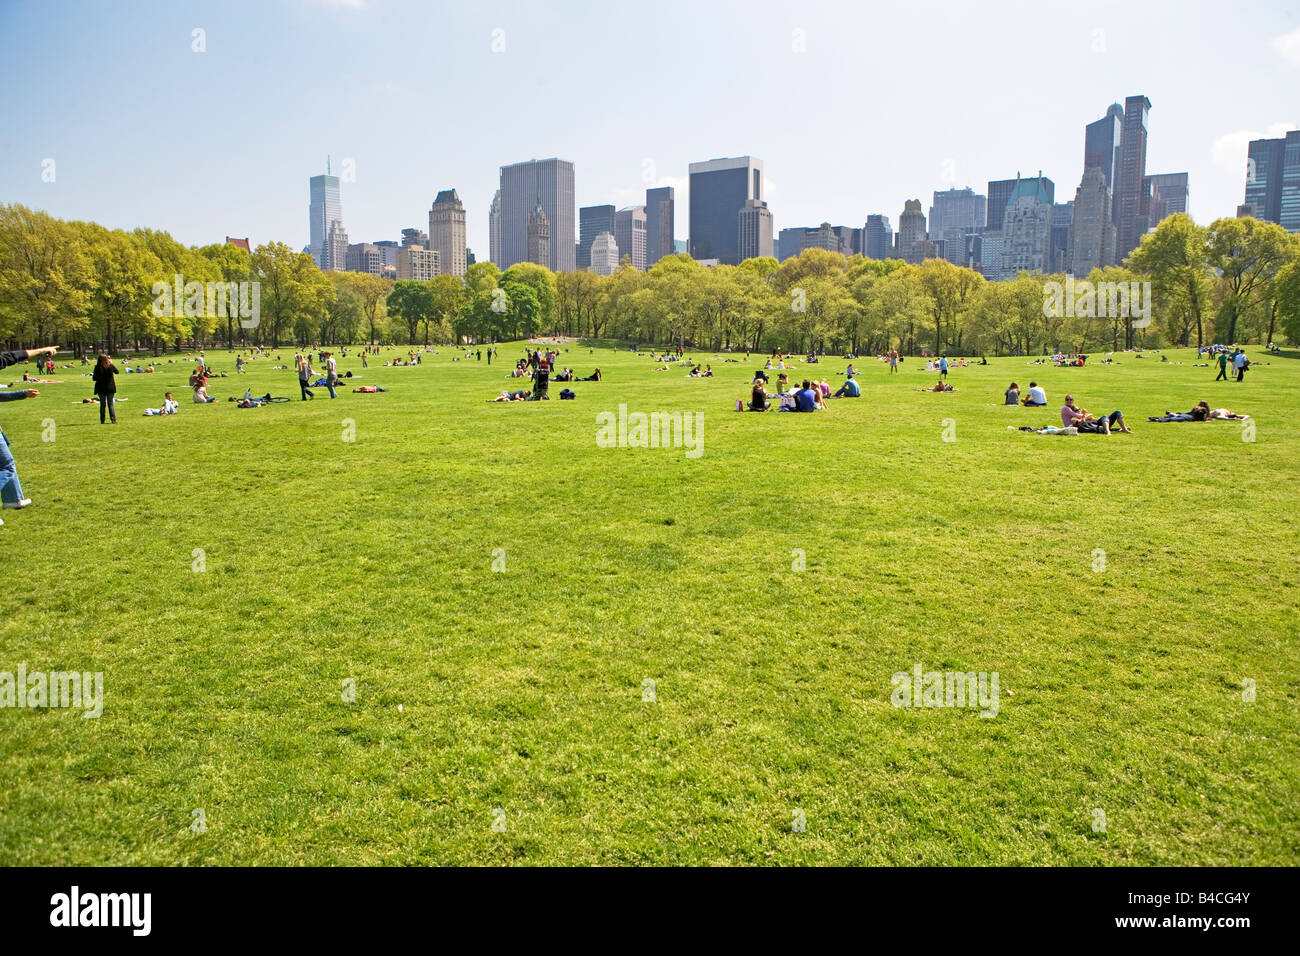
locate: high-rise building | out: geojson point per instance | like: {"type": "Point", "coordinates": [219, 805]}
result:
{"type": "Point", "coordinates": [524, 186]}
{"type": "Point", "coordinates": [999, 192]}
{"type": "Point", "coordinates": [878, 237]}
{"type": "Point", "coordinates": [962, 209]}
{"type": "Point", "coordinates": [388, 249]}
{"type": "Point", "coordinates": [842, 239]}
{"type": "Point", "coordinates": [496, 240]}
{"type": "Point", "coordinates": [592, 221]}
{"type": "Point", "coordinates": [1062, 217]}
{"type": "Point", "coordinates": [417, 262]}
{"type": "Point", "coordinates": [754, 225]}
{"type": "Point", "coordinates": [538, 235]}
{"type": "Point", "coordinates": [1163, 195]}
{"type": "Point", "coordinates": [911, 232]}
{"type": "Point", "coordinates": [1092, 233]}
{"type": "Point", "coordinates": [1102, 143]}
{"type": "Point", "coordinates": [326, 207]}
{"type": "Point", "coordinates": [414, 238]}
{"type": "Point", "coordinates": [1131, 224]}
{"type": "Point", "coordinates": [660, 204]}
{"type": "Point", "coordinates": [447, 231]}
{"type": "Point", "coordinates": [1027, 228]}
{"type": "Point", "coordinates": [365, 257]}
{"type": "Point", "coordinates": [629, 233]}
{"type": "Point", "coordinates": [990, 259]}
{"type": "Point", "coordinates": [336, 248]}
{"type": "Point", "coordinates": [603, 254]}
{"type": "Point", "coordinates": [720, 188]}
{"type": "Point", "coordinates": [1265, 167]}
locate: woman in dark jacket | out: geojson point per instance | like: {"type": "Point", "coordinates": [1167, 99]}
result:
{"type": "Point", "coordinates": [106, 387]}
{"type": "Point", "coordinates": [11, 492]}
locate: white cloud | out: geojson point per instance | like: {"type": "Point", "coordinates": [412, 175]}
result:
{"type": "Point", "coordinates": [1289, 46]}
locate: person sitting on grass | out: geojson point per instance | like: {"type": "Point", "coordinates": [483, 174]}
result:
{"type": "Point", "coordinates": [849, 389]}
{"type": "Point", "coordinates": [169, 407]}
{"type": "Point", "coordinates": [808, 398]}
{"type": "Point", "coordinates": [593, 377]}
{"type": "Point", "coordinates": [939, 386]}
{"type": "Point", "coordinates": [1012, 395]}
{"type": "Point", "coordinates": [758, 398]}
{"type": "Point", "coordinates": [1036, 398]}
{"type": "Point", "coordinates": [201, 396]}
{"type": "Point", "coordinates": [1074, 417]}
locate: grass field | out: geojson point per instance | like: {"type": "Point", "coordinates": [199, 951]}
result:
{"type": "Point", "coordinates": [325, 560]}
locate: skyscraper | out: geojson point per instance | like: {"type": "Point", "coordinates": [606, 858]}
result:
{"type": "Point", "coordinates": [1062, 217]}
{"type": "Point", "coordinates": [754, 228]}
{"type": "Point", "coordinates": [1131, 224]}
{"type": "Point", "coordinates": [719, 190]}
{"type": "Point", "coordinates": [1102, 144]}
{"type": "Point", "coordinates": [1027, 228]}
{"type": "Point", "coordinates": [1164, 194]}
{"type": "Point", "coordinates": [336, 248]}
{"type": "Point", "coordinates": [326, 208]}
{"type": "Point", "coordinates": [592, 221]}
{"type": "Point", "coordinates": [911, 232]}
{"type": "Point", "coordinates": [603, 254]}
{"type": "Point", "coordinates": [878, 237]}
{"type": "Point", "coordinates": [962, 209]}
{"type": "Point", "coordinates": [999, 192]}
{"type": "Point", "coordinates": [496, 241]}
{"type": "Point", "coordinates": [629, 233]}
{"type": "Point", "coordinates": [447, 231]}
{"type": "Point", "coordinates": [1273, 180]}
{"type": "Point", "coordinates": [525, 185]}
{"type": "Point", "coordinates": [660, 206]}
{"type": "Point", "coordinates": [1092, 233]}
{"type": "Point", "coordinates": [538, 235]}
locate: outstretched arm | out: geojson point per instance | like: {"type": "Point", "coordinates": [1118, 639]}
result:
{"type": "Point", "coordinates": [22, 355]}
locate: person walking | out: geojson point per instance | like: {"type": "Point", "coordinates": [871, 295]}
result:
{"type": "Point", "coordinates": [106, 387]}
{"type": "Point", "coordinates": [1223, 368]}
{"type": "Point", "coordinates": [1240, 363]}
{"type": "Point", "coordinates": [304, 376]}
{"type": "Point", "coordinates": [11, 492]}
{"type": "Point", "coordinates": [331, 373]}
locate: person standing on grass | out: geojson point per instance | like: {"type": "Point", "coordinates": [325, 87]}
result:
{"type": "Point", "coordinates": [893, 360]}
{"type": "Point", "coordinates": [304, 376]}
{"type": "Point", "coordinates": [11, 492]}
{"type": "Point", "coordinates": [943, 366]}
{"type": "Point", "coordinates": [1240, 363]}
{"type": "Point", "coordinates": [1223, 367]}
{"type": "Point", "coordinates": [106, 387]}
{"type": "Point", "coordinates": [331, 373]}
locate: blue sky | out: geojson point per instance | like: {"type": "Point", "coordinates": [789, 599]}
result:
{"type": "Point", "coordinates": [853, 107]}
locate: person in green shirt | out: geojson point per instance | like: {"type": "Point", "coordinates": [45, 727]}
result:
{"type": "Point", "coordinates": [1223, 367]}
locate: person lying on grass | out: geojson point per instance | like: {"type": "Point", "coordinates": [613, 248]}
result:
{"type": "Point", "coordinates": [169, 406]}
{"type": "Point", "coordinates": [519, 396]}
{"type": "Point", "coordinates": [1201, 413]}
{"type": "Point", "coordinates": [938, 387]}
{"type": "Point", "coordinates": [593, 377]}
{"type": "Point", "coordinates": [369, 389]}
{"type": "Point", "coordinates": [1074, 417]}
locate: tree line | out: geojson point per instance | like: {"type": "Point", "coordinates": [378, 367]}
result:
{"type": "Point", "coordinates": [87, 286]}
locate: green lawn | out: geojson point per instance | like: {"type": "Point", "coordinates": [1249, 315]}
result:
{"type": "Point", "coordinates": [372, 560]}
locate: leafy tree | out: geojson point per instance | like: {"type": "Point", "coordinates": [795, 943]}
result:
{"type": "Point", "coordinates": [410, 302]}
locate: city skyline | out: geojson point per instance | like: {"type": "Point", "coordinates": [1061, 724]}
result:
{"type": "Point", "coordinates": [239, 172]}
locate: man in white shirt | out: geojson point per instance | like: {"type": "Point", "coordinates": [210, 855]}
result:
{"type": "Point", "coordinates": [1037, 396]}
